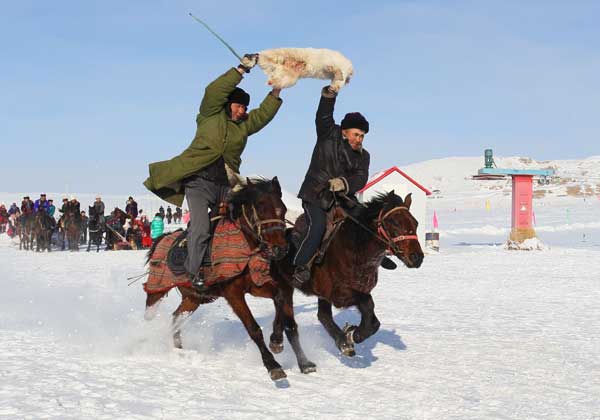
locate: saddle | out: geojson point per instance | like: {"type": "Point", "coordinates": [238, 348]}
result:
{"type": "Point", "coordinates": [178, 252]}
{"type": "Point", "coordinates": [335, 219]}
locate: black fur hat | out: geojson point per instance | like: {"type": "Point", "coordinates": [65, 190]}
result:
{"type": "Point", "coordinates": [239, 96]}
{"type": "Point", "coordinates": [355, 120]}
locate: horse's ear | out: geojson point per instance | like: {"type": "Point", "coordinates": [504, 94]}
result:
{"type": "Point", "coordinates": [276, 185]}
{"type": "Point", "coordinates": [248, 181]}
{"type": "Point", "coordinates": [408, 200]}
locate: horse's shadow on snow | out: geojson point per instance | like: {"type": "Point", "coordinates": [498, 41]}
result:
{"type": "Point", "coordinates": [364, 351]}
{"type": "Point", "coordinates": [232, 335]}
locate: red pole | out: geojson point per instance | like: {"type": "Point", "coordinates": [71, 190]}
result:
{"type": "Point", "coordinates": [522, 208]}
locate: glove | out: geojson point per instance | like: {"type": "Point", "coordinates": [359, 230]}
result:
{"type": "Point", "coordinates": [249, 61]}
{"type": "Point", "coordinates": [337, 185]}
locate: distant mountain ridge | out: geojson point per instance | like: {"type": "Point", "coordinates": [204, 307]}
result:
{"type": "Point", "coordinates": [574, 177]}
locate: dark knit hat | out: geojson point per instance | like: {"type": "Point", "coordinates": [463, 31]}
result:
{"type": "Point", "coordinates": [239, 96]}
{"type": "Point", "coordinates": [355, 120]}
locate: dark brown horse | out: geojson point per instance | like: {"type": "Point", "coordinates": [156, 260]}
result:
{"type": "Point", "coordinates": [42, 230]}
{"type": "Point", "coordinates": [348, 271]}
{"type": "Point", "coordinates": [261, 214]}
{"type": "Point", "coordinates": [25, 223]}
{"type": "Point", "coordinates": [95, 228]}
{"type": "Point", "coordinates": [71, 225]}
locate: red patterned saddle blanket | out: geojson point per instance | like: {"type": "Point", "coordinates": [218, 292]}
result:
{"type": "Point", "coordinates": [230, 256]}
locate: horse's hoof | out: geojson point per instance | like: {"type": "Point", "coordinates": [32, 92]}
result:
{"type": "Point", "coordinates": [308, 367]}
{"type": "Point", "coordinates": [347, 350]}
{"type": "Point", "coordinates": [276, 347]}
{"type": "Point", "coordinates": [277, 374]}
{"type": "Point", "coordinates": [177, 343]}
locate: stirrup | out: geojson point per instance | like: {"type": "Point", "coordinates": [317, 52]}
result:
{"type": "Point", "coordinates": [301, 275]}
{"type": "Point", "coordinates": [197, 281]}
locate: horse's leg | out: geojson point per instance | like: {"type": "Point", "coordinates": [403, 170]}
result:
{"type": "Point", "coordinates": [369, 324]}
{"type": "Point", "coordinates": [189, 303]}
{"type": "Point", "coordinates": [291, 331]}
{"type": "Point", "coordinates": [326, 318]}
{"type": "Point", "coordinates": [235, 298]}
{"type": "Point", "coordinates": [276, 339]}
{"type": "Point", "coordinates": [152, 301]}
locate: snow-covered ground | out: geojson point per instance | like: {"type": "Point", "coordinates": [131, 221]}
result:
{"type": "Point", "coordinates": [478, 332]}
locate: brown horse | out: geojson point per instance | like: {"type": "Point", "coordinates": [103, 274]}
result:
{"type": "Point", "coordinates": [348, 271]}
{"type": "Point", "coordinates": [261, 214]}
{"type": "Point", "coordinates": [71, 225]}
{"type": "Point", "coordinates": [42, 230]}
{"type": "Point", "coordinates": [25, 222]}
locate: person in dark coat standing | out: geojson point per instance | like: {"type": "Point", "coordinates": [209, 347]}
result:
{"type": "Point", "coordinates": [169, 215]}
{"type": "Point", "coordinates": [99, 209]}
{"type": "Point", "coordinates": [339, 165]}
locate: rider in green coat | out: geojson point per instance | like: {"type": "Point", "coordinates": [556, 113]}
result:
{"type": "Point", "coordinates": [218, 135]}
{"type": "Point", "coordinates": [201, 172]}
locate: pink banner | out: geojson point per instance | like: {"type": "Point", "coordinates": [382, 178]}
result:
{"type": "Point", "coordinates": [435, 220]}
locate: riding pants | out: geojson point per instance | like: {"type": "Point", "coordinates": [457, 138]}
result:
{"type": "Point", "coordinates": [202, 195]}
{"type": "Point", "coordinates": [316, 219]}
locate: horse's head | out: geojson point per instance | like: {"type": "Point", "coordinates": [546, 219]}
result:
{"type": "Point", "coordinates": [397, 226]}
{"type": "Point", "coordinates": [261, 212]}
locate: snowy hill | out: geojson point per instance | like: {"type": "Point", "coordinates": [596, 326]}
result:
{"type": "Point", "coordinates": [453, 175]}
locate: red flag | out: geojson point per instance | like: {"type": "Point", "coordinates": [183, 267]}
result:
{"type": "Point", "coordinates": [435, 220]}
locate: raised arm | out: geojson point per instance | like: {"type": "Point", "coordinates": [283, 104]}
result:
{"type": "Point", "coordinates": [324, 119]}
{"type": "Point", "coordinates": [261, 116]}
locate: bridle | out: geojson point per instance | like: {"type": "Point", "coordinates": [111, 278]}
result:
{"type": "Point", "coordinates": [257, 230]}
{"type": "Point", "coordinates": [383, 232]}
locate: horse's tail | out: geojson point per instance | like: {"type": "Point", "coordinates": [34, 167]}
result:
{"type": "Point", "coordinates": [153, 247]}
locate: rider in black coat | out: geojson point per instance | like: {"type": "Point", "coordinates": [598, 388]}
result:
{"type": "Point", "coordinates": [339, 164]}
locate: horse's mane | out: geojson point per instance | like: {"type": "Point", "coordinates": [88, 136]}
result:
{"type": "Point", "coordinates": [249, 193]}
{"type": "Point", "coordinates": [371, 211]}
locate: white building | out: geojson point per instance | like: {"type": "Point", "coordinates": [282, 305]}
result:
{"type": "Point", "coordinates": [402, 184]}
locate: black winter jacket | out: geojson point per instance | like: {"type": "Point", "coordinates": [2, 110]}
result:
{"type": "Point", "coordinates": [332, 157]}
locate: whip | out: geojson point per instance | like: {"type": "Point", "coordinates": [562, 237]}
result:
{"type": "Point", "coordinates": [218, 37]}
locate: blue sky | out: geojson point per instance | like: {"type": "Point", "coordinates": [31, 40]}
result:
{"type": "Point", "coordinates": [91, 92]}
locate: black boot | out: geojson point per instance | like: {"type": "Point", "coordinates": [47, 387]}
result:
{"type": "Point", "coordinates": [388, 264]}
{"type": "Point", "coordinates": [301, 275]}
{"type": "Point", "coordinates": [197, 281]}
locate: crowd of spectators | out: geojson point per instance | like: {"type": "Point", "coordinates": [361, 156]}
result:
{"type": "Point", "coordinates": [137, 230]}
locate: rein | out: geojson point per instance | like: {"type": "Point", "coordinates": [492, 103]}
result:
{"type": "Point", "coordinates": [381, 234]}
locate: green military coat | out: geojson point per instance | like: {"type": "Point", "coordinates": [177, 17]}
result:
{"type": "Point", "coordinates": [217, 135]}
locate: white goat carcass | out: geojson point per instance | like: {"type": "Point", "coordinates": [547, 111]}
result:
{"type": "Point", "coordinates": [284, 66]}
